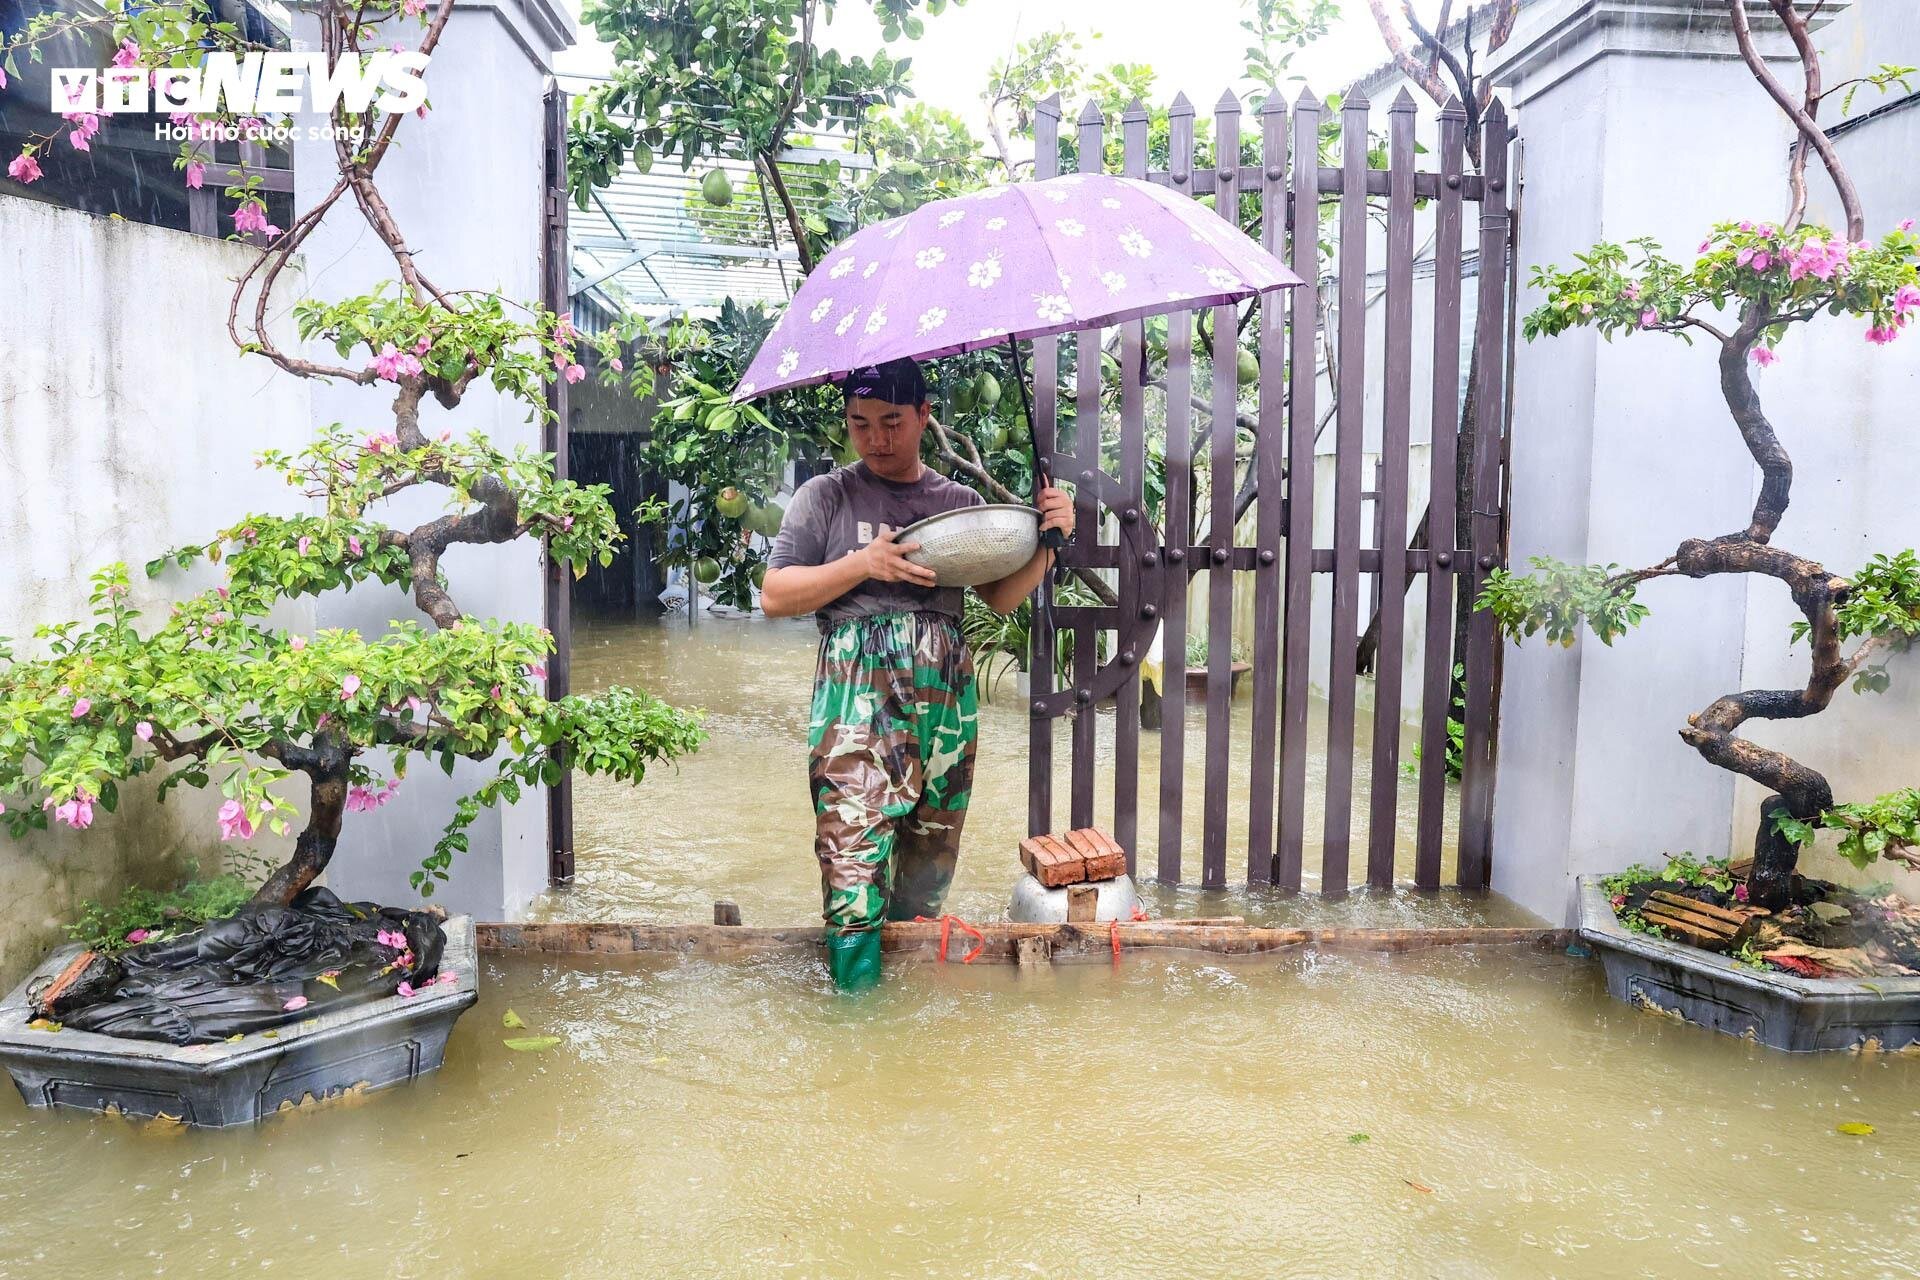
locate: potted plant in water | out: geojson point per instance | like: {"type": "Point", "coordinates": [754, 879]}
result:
{"type": "Point", "coordinates": [218, 693]}
{"type": "Point", "coordinates": [1751, 284]}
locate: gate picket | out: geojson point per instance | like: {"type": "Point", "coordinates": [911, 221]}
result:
{"type": "Point", "coordinates": [1133, 470]}
{"type": "Point", "coordinates": [1443, 434]}
{"type": "Point", "coordinates": [1350, 442]}
{"type": "Point", "coordinates": [1222, 434]}
{"type": "Point", "coordinates": [1046, 411]}
{"type": "Point", "coordinates": [1269, 440]}
{"type": "Point", "coordinates": [1302, 371]}
{"type": "Point", "coordinates": [1390, 501]}
{"type": "Point", "coordinates": [1489, 340]}
{"type": "Point", "coordinates": [1177, 533]}
{"type": "Point", "coordinates": [1086, 508]}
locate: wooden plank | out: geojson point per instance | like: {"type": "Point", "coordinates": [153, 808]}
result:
{"type": "Point", "coordinates": [1046, 412]}
{"type": "Point", "coordinates": [1133, 470]}
{"type": "Point", "coordinates": [1383, 821]}
{"type": "Point", "coordinates": [1350, 441]}
{"type": "Point", "coordinates": [1222, 485]}
{"type": "Point", "coordinates": [1000, 940]}
{"type": "Point", "coordinates": [1437, 677]}
{"type": "Point", "coordinates": [1178, 535]}
{"type": "Point", "coordinates": [1269, 454]}
{"type": "Point", "coordinates": [1476, 786]}
{"type": "Point", "coordinates": [1304, 305]}
{"type": "Point", "coordinates": [1086, 507]}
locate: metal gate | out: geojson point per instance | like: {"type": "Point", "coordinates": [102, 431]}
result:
{"type": "Point", "coordinates": [1150, 569]}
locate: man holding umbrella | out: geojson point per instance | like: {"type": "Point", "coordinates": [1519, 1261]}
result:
{"type": "Point", "coordinates": [894, 708]}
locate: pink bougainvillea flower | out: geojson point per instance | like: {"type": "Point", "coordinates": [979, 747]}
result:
{"type": "Point", "coordinates": [3, 806]}
{"type": "Point", "coordinates": [381, 441]}
{"type": "Point", "coordinates": [575, 372]}
{"type": "Point", "coordinates": [1706, 246]}
{"type": "Point", "coordinates": [1906, 300]}
{"type": "Point", "coordinates": [3, 77]}
{"type": "Point", "coordinates": [297, 643]}
{"type": "Point", "coordinates": [1905, 224]}
{"type": "Point", "coordinates": [77, 812]}
{"type": "Point", "coordinates": [496, 693]}
{"type": "Point", "coordinates": [348, 687]}
{"type": "Point", "coordinates": [85, 125]}
{"type": "Point", "coordinates": [1762, 260]}
{"type": "Point", "coordinates": [143, 731]}
{"type": "Point", "coordinates": [566, 523]}
{"type": "Point", "coordinates": [353, 545]}
{"type": "Point", "coordinates": [127, 55]}
{"type": "Point", "coordinates": [414, 704]}
{"type": "Point", "coordinates": [391, 938]}
{"type": "Point", "coordinates": [234, 823]}
{"type": "Point", "coordinates": [295, 1005]}
{"type": "Point", "coordinates": [404, 991]}
{"type": "Point", "coordinates": [447, 978]}
{"type": "Point", "coordinates": [304, 544]}
{"type": "Point", "coordinates": [137, 936]}
{"type": "Point", "coordinates": [1649, 318]}
{"type": "Point", "coordinates": [1880, 336]}
{"type": "Point", "coordinates": [1631, 293]}
{"type": "Point", "coordinates": [250, 216]}
{"type": "Point", "coordinates": [1740, 892]}
{"type": "Point", "coordinates": [196, 174]}
{"type": "Point", "coordinates": [394, 364]}
{"type": "Point", "coordinates": [538, 671]}
{"type": "Point", "coordinates": [1762, 356]}
{"type": "Point", "coordinates": [81, 706]}
{"type": "Point", "coordinates": [24, 168]}
{"type": "Point", "coordinates": [561, 360]}
{"type": "Point", "coordinates": [423, 346]}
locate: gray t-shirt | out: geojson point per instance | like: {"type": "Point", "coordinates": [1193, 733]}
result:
{"type": "Point", "coordinates": [841, 512]}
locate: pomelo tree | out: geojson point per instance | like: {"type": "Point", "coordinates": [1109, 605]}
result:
{"type": "Point", "coordinates": [219, 693]}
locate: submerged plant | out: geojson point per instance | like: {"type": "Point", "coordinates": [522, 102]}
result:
{"type": "Point", "coordinates": [220, 691]}
{"type": "Point", "coordinates": [1750, 284]}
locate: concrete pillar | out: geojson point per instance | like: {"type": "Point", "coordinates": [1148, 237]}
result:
{"type": "Point", "coordinates": [466, 186]}
{"type": "Point", "coordinates": [1638, 119]}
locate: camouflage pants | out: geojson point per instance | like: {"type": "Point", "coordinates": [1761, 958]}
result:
{"type": "Point", "coordinates": [890, 765]}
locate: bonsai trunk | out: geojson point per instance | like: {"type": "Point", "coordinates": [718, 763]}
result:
{"type": "Point", "coordinates": [327, 766]}
{"type": "Point", "coordinates": [1770, 883]}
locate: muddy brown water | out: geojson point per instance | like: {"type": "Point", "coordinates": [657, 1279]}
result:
{"type": "Point", "coordinates": [1169, 1118]}
{"type": "Point", "coordinates": [735, 821]}
{"type": "Point", "coordinates": [1460, 1112]}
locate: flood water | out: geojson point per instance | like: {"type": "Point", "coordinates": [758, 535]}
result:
{"type": "Point", "coordinates": [1168, 1118]}
{"type": "Point", "coordinates": [735, 821]}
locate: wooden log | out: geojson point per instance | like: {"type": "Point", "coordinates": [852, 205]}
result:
{"type": "Point", "coordinates": [1083, 901]}
{"type": "Point", "coordinates": [726, 913]}
{"type": "Point", "coordinates": [717, 942]}
{"type": "Point", "coordinates": [1033, 952]}
{"type": "Point", "coordinates": [1688, 927]}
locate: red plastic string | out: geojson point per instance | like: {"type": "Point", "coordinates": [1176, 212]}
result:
{"type": "Point", "coordinates": [946, 931]}
{"type": "Point", "coordinates": [1113, 935]}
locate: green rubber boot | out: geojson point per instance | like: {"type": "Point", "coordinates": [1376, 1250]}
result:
{"type": "Point", "coordinates": [854, 959]}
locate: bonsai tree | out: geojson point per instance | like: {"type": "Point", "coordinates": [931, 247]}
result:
{"type": "Point", "coordinates": [219, 693]}
{"type": "Point", "coordinates": [1750, 285]}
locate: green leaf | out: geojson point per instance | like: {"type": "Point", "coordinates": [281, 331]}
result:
{"type": "Point", "coordinates": [531, 1044]}
{"type": "Point", "coordinates": [511, 1020]}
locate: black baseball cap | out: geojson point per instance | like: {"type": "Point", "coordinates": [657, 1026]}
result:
{"type": "Point", "coordinates": [897, 382]}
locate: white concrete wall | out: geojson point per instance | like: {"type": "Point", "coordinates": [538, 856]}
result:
{"type": "Point", "coordinates": [465, 185]}
{"type": "Point", "coordinates": [1637, 120]}
{"type": "Point", "coordinates": [128, 422]}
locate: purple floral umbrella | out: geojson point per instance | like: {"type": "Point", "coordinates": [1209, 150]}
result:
{"type": "Point", "coordinates": [1023, 261]}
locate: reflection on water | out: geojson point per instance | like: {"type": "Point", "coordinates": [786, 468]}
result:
{"type": "Point", "coordinates": [1166, 1119]}
{"type": "Point", "coordinates": [734, 821]}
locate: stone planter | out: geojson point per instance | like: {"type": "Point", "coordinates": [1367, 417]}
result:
{"type": "Point", "coordinates": [369, 1046]}
{"type": "Point", "coordinates": [1778, 1010]}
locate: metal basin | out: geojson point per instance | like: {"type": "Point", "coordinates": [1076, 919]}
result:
{"type": "Point", "coordinates": [1034, 903]}
{"type": "Point", "coordinates": [975, 545]}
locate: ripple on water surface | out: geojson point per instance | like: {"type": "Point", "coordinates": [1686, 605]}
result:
{"type": "Point", "coordinates": [1168, 1118]}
